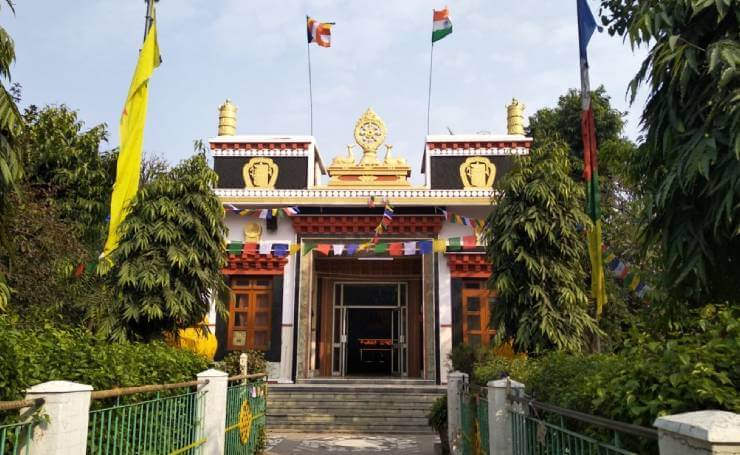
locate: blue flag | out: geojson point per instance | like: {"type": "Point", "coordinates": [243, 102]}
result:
{"type": "Point", "coordinates": [586, 27]}
{"type": "Point", "coordinates": [425, 247]}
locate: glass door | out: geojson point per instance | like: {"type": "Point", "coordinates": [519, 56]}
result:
{"type": "Point", "coordinates": [400, 345]}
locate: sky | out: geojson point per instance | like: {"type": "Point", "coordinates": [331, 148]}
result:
{"type": "Point", "coordinates": [83, 53]}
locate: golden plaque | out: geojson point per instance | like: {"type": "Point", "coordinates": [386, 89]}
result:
{"type": "Point", "coordinates": [252, 232]}
{"type": "Point", "coordinates": [477, 172]}
{"type": "Point", "coordinates": [260, 173]}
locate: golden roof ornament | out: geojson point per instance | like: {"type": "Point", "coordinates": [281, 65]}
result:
{"type": "Point", "coordinates": [227, 119]}
{"type": "Point", "coordinates": [369, 134]}
{"type": "Point", "coordinates": [370, 172]}
{"type": "Point", "coordinates": [515, 118]}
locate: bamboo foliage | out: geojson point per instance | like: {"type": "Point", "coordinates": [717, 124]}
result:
{"type": "Point", "coordinates": [11, 125]}
{"type": "Point", "coordinates": [169, 260]}
{"type": "Point", "coordinates": [538, 256]}
{"type": "Point", "coordinates": [690, 168]}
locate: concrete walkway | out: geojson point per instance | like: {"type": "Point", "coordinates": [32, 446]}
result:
{"type": "Point", "coordinates": [355, 444]}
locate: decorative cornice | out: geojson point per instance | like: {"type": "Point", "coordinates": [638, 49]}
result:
{"type": "Point", "coordinates": [356, 197]}
{"type": "Point", "coordinates": [254, 264]}
{"type": "Point", "coordinates": [346, 224]}
{"type": "Point", "coordinates": [293, 152]}
{"type": "Point", "coordinates": [467, 149]}
{"type": "Point", "coordinates": [469, 265]}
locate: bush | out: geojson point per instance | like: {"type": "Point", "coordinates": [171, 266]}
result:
{"type": "Point", "coordinates": [35, 354]}
{"type": "Point", "coordinates": [256, 362]}
{"type": "Point", "coordinates": [437, 419]}
{"type": "Point", "coordinates": [648, 377]}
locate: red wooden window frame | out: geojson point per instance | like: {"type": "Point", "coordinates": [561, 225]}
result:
{"type": "Point", "coordinates": [250, 313]}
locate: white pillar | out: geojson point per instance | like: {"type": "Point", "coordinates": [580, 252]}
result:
{"type": "Point", "coordinates": [499, 420]}
{"type": "Point", "coordinates": [455, 383]}
{"type": "Point", "coordinates": [67, 406]}
{"type": "Point", "coordinates": [214, 409]}
{"type": "Point", "coordinates": [699, 433]}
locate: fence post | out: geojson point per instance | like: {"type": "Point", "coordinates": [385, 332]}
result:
{"type": "Point", "coordinates": [213, 409]}
{"type": "Point", "coordinates": [67, 410]}
{"type": "Point", "coordinates": [699, 433]}
{"type": "Point", "coordinates": [455, 383]}
{"type": "Point", "coordinates": [500, 440]}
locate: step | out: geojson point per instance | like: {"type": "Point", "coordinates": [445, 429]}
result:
{"type": "Point", "coordinates": [421, 413]}
{"type": "Point", "coordinates": [325, 428]}
{"type": "Point", "coordinates": [366, 381]}
{"type": "Point", "coordinates": [358, 404]}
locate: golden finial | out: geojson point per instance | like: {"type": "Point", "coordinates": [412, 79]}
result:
{"type": "Point", "coordinates": [515, 118]}
{"type": "Point", "coordinates": [227, 119]}
{"type": "Point", "coordinates": [369, 135]}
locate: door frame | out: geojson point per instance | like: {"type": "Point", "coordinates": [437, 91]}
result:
{"type": "Point", "coordinates": [400, 310]}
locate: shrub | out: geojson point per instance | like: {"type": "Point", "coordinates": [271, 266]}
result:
{"type": "Point", "coordinates": [35, 354]}
{"type": "Point", "coordinates": [437, 419]}
{"type": "Point", "coordinates": [256, 362]}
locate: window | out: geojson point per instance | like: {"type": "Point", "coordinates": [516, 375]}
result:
{"type": "Point", "coordinates": [250, 310]}
{"type": "Point", "coordinates": [476, 313]}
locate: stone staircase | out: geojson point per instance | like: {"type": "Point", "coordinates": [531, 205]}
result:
{"type": "Point", "coordinates": [355, 405]}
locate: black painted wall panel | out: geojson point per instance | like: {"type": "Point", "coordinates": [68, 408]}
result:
{"type": "Point", "coordinates": [292, 172]}
{"type": "Point", "coordinates": [445, 170]}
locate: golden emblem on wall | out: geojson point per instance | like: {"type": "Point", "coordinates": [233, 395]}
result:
{"type": "Point", "coordinates": [369, 134]}
{"type": "Point", "coordinates": [245, 422]}
{"type": "Point", "coordinates": [477, 172]}
{"type": "Point", "coordinates": [252, 232]}
{"type": "Point", "coordinates": [260, 173]}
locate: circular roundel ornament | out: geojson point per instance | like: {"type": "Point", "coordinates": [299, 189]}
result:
{"type": "Point", "coordinates": [245, 422]}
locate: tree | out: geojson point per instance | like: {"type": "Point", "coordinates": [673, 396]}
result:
{"type": "Point", "coordinates": [169, 259]}
{"type": "Point", "coordinates": [11, 125]}
{"type": "Point", "coordinates": [538, 255]}
{"type": "Point", "coordinates": [64, 162]}
{"type": "Point", "coordinates": [690, 163]}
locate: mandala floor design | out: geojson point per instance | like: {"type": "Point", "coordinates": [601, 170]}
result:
{"type": "Point", "coordinates": [353, 444]}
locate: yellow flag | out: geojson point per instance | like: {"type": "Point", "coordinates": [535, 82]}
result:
{"type": "Point", "coordinates": [439, 245]}
{"type": "Point", "coordinates": [131, 131]}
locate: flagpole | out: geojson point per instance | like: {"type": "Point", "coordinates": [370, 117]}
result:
{"type": "Point", "coordinates": [149, 17]}
{"type": "Point", "coordinates": [429, 96]}
{"type": "Point", "coordinates": [310, 85]}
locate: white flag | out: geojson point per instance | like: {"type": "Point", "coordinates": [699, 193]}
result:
{"type": "Point", "coordinates": [409, 248]}
{"type": "Point", "coordinates": [338, 249]}
{"type": "Point", "coordinates": [265, 248]}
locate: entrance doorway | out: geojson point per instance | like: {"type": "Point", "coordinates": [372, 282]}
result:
{"type": "Point", "coordinates": [369, 327]}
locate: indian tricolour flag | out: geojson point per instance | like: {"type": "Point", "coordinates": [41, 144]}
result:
{"type": "Point", "coordinates": [442, 26]}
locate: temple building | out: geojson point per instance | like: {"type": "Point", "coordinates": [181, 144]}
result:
{"type": "Point", "coordinates": [347, 269]}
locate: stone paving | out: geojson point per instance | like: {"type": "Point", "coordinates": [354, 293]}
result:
{"type": "Point", "coordinates": [354, 444]}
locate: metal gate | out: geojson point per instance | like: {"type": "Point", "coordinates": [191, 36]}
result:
{"type": "Point", "coordinates": [474, 407]}
{"type": "Point", "coordinates": [246, 402]}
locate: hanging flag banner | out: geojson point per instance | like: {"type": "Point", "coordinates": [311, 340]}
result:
{"type": "Point", "coordinates": [266, 214]}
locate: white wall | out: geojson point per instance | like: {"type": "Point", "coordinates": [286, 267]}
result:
{"type": "Point", "coordinates": [445, 297]}
{"type": "Point", "coordinates": [282, 371]}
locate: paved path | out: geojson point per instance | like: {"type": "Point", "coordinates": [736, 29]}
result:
{"type": "Point", "coordinates": [354, 444]}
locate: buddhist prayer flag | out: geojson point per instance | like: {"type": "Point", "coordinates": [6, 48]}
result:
{"type": "Point", "coordinates": [265, 248]}
{"type": "Point", "coordinates": [454, 243]}
{"type": "Point", "coordinates": [319, 32]}
{"type": "Point", "coordinates": [409, 248]}
{"type": "Point", "coordinates": [469, 241]}
{"type": "Point", "coordinates": [351, 249]}
{"type": "Point", "coordinates": [280, 249]}
{"type": "Point", "coordinates": [586, 28]}
{"type": "Point", "coordinates": [338, 249]}
{"type": "Point", "coordinates": [323, 248]}
{"type": "Point", "coordinates": [425, 247]}
{"type": "Point", "coordinates": [131, 131]}
{"type": "Point", "coordinates": [441, 25]}
{"type": "Point", "coordinates": [439, 245]}
{"type": "Point", "coordinates": [395, 249]}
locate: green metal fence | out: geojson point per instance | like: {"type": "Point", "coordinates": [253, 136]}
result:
{"type": "Point", "coordinates": [16, 430]}
{"type": "Point", "coordinates": [15, 438]}
{"type": "Point", "coordinates": [474, 408]}
{"type": "Point", "coordinates": [168, 423]}
{"type": "Point", "coordinates": [543, 429]}
{"type": "Point", "coordinates": [246, 403]}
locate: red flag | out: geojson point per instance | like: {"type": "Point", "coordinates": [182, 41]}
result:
{"type": "Point", "coordinates": [250, 248]}
{"type": "Point", "coordinates": [395, 249]}
{"type": "Point", "coordinates": [323, 248]}
{"type": "Point", "coordinates": [469, 241]}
